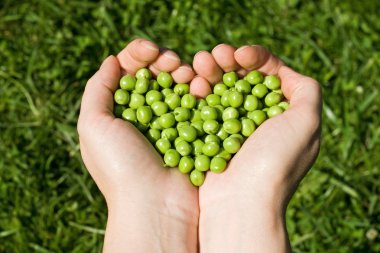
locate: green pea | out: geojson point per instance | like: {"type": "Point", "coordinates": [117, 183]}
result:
{"type": "Point", "coordinates": [121, 97]}
{"type": "Point", "coordinates": [167, 91]}
{"type": "Point", "coordinates": [153, 85]}
{"type": "Point", "coordinates": [213, 99]}
{"type": "Point", "coordinates": [142, 86]}
{"type": "Point", "coordinates": [118, 110]}
{"type": "Point", "coordinates": [195, 115]}
{"type": "Point", "coordinates": [197, 146]}
{"type": "Point", "coordinates": [242, 112]}
{"type": "Point", "coordinates": [260, 90]}
{"type": "Point", "coordinates": [202, 163]}
{"type": "Point", "coordinates": [178, 140]}
{"type": "Point", "coordinates": [165, 80]}
{"type": "Point", "coordinates": [212, 138]}
{"type": "Point", "coordinates": [219, 109]}
{"type": "Point", "coordinates": [155, 123]}
{"type": "Point", "coordinates": [188, 101]}
{"type": "Point", "coordinates": [143, 73]}
{"type": "Point", "coordinates": [181, 89]}
{"type": "Point", "coordinates": [230, 113]}
{"type": "Point", "coordinates": [235, 99]}
{"type": "Point", "coordinates": [153, 96]}
{"type": "Point", "coordinates": [144, 114]}
{"type": "Point", "coordinates": [279, 91]}
{"type": "Point", "coordinates": [173, 100]}
{"type": "Point", "coordinates": [255, 77]}
{"type": "Point", "coordinates": [247, 127]}
{"type": "Point", "coordinates": [201, 103]}
{"type": "Point", "coordinates": [188, 133]}
{"type": "Point", "coordinates": [136, 101]}
{"type": "Point", "coordinates": [128, 82]}
{"type": "Point", "coordinates": [218, 165]}
{"type": "Point", "coordinates": [231, 145]}
{"type": "Point", "coordinates": [222, 134]}
{"type": "Point", "coordinates": [129, 114]}
{"type": "Point", "coordinates": [181, 114]}
{"type": "Point", "coordinates": [169, 133]}
{"type": "Point", "coordinates": [159, 108]}
{"type": "Point", "coordinates": [186, 164]}
{"type": "Point", "coordinates": [251, 103]}
{"type": "Point", "coordinates": [232, 126]}
{"type": "Point", "coordinates": [240, 137]}
{"type": "Point", "coordinates": [243, 86]}
{"type": "Point", "coordinates": [183, 123]}
{"type": "Point", "coordinates": [163, 145]}
{"type": "Point", "coordinates": [153, 135]}
{"type": "Point", "coordinates": [272, 99]}
{"type": "Point", "coordinates": [284, 105]}
{"type": "Point", "coordinates": [274, 111]}
{"type": "Point", "coordinates": [224, 154]}
{"type": "Point", "coordinates": [210, 148]}
{"type": "Point", "coordinates": [167, 120]}
{"type": "Point", "coordinates": [210, 126]}
{"type": "Point", "coordinates": [209, 112]}
{"type": "Point", "coordinates": [219, 89]}
{"type": "Point", "coordinates": [142, 127]}
{"type": "Point", "coordinates": [197, 177]}
{"type": "Point", "coordinates": [258, 117]}
{"type": "Point", "coordinates": [230, 79]}
{"type": "Point", "coordinates": [171, 158]}
{"type": "Point", "coordinates": [184, 148]}
{"type": "Point", "coordinates": [272, 82]}
{"type": "Point", "coordinates": [198, 125]}
{"type": "Point", "coordinates": [224, 99]}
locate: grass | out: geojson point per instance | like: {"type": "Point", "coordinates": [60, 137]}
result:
{"type": "Point", "coordinates": [48, 202]}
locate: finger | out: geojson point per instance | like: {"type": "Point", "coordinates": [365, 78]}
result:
{"type": "Point", "coordinates": [304, 95]}
{"type": "Point", "coordinates": [224, 57]}
{"type": "Point", "coordinates": [183, 74]}
{"type": "Point", "coordinates": [205, 65]}
{"type": "Point", "coordinates": [98, 94]}
{"type": "Point", "coordinates": [166, 61]}
{"type": "Point", "coordinates": [137, 54]}
{"type": "Point", "coordinates": [200, 87]}
{"type": "Point", "coordinates": [257, 57]}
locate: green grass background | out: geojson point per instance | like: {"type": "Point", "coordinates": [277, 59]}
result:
{"type": "Point", "coordinates": [48, 49]}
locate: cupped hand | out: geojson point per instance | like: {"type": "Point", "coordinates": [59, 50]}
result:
{"type": "Point", "coordinates": [279, 153]}
{"type": "Point", "coordinates": [124, 165]}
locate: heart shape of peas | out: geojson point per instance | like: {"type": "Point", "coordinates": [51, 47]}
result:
{"type": "Point", "coordinates": [198, 135]}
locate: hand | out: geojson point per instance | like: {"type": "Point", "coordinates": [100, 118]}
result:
{"type": "Point", "coordinates": [140, 192]}
{"type": "Point", "coordinates": [255, 189]}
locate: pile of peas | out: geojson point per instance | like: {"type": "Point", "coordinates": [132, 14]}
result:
{"type": "Point", "coordinates": [198, 135]}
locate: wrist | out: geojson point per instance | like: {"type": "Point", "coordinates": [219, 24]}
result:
{"type": "Point", "coordinates": [141, 223]}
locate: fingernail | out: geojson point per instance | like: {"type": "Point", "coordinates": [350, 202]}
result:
{"type": "Point", "coordinates": [106, 59]}
{"type": "Point", "coordinates": [199, 53]}
{"type": "Point", "coordinates": [171, 55]}
{"type": "Point", "coordinates": [241, 48]}
{"type": "Point", "coordinates": [186, 68]}
{"type": "Point", "coordinates": [149, 45]}
{"type": "Point", "coordinates": [217, 47]}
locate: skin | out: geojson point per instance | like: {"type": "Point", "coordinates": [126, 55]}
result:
{"type": "Point", "coordinates": [144, 199]}
{"type": "Point", "coordinates": [155, 209]}
{"type": "Point", "coordinates": [251, 196]}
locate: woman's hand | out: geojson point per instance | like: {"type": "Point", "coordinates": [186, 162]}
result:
{"type": "Point", "coordinates": [151, 208]}
{"type": "Point", "coordinates": [248, 201]}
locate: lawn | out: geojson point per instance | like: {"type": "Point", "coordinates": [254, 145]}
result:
{"type": "Point", "coordinates": [49, 49]}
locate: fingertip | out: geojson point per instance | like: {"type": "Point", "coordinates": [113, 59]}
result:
{"type": "Point", "coordinates": [183, 74]}
{"type": "Point", "coordinates": [167, 61]}
{"type": "Point", "coordinates": [224, 57]}
{"type": "Point", "coordinates": [199, 87]}
{"type": "Point", "coordinates": [205, 65]}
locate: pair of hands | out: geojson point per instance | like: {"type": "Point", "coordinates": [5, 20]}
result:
{"type": "Point", "coordinates": [259, 180]}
